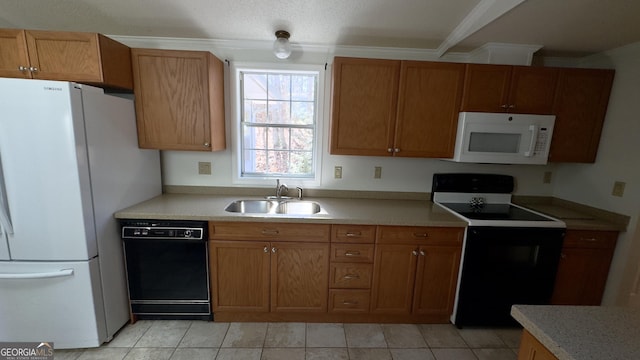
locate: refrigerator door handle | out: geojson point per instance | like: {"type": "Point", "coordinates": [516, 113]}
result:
{"type": "Point", "coordinates": [5, 219]}
{"type": "Point", "coordinates": [42, 275]}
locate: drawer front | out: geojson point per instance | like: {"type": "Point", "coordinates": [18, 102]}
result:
{"type": "Point", "coordinates": [419, 235]}
{"type": "Point", "coordinates": [590, 239]}
{"type": "Point", "coordinates": [266, 231]}
{"type": "Point", "coordinates": [350, 276]}
{"type": "Point", "coordinates": [352, 253]}
{"type": "Point", "coordinates": [353, 233]}
{"type": "Point", "coordinates": [349, 301]}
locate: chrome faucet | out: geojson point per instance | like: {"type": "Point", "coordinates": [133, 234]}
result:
{"type": "Point", "coordinates": [281, 189]}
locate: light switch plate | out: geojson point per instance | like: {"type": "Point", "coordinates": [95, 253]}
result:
{"type": "Point", "coordinates": [337, 172]}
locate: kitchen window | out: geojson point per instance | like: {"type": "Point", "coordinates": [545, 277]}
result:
{"type": "Point", "coordinates": [277, 132]}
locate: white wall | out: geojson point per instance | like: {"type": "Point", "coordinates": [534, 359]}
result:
{"type": "Point", "coordinates": [618, 160]}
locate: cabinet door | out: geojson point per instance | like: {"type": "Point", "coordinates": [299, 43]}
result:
{"type": "Point", "coordinates": [240, 275]}
{"type": "Point", "coordinates": [486, 88]}
{"type": "Point", "coordinates": [532, 349]}
{"type": "Point", "coordinates": [393, 279]}
{"type": "Point", "coordinates": [584, 267]}
{"type": "Point", "coordinates": [580, 108]}
{"type": "Point", "coordinates": [436, 280]}
{"type": "Point", "coordinates": [428, 104]}
{"type": "Point", "coordinates": [13, 54]}
{"type": "Point", "coordinates": [532, 90]}
{"type": "Point", "coordinates": [363, 106]}
{"type": "Point", "coordinates": [299, 277]}
{"type": "Point", "coordinates": [69, 56]}
{"type": "Point", "coordinates": [173, 105]}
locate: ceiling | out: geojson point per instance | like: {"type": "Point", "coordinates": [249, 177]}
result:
{"type": "Point", "coordinates": [562, 27]}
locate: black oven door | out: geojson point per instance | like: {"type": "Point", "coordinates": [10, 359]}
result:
{"type": "Point", "coordinates": [503, 266]}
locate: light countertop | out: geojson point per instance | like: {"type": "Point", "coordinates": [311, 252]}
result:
{"type": "Point", "coordinates": [338, 211]}
{"type": "Point", "coordinates": [583, 332]}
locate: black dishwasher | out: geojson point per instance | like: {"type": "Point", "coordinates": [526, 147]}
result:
{"type": "Point", "coordinates": [167, 268]}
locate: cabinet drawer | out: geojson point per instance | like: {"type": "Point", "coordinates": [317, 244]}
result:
{"type": "Point", "coordinates": [419, 235]}
{"type": "Point", "coordinates": [352, 253]}
{"type": "Point", "coordinates": [590, 239]}
{"type": "Point", "coordinates": [269, 231]}
{"type": "Point", "coordinates": [353, 233]}
{"type": "Point", "coordinates": [350, 276]}
{"type": "Point", "coordinates": [349, 301]}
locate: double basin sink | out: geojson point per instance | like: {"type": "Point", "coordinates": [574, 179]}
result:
{"type": "Point", "coordinates": [274, 207]}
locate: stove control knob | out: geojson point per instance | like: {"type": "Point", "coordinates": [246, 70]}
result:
{"type": "Point", "coordinates": [187, 233]}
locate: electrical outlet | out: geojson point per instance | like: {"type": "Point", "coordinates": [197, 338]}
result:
{"type": "Point", "coordinates": [546, 179]}
{"type": "Point", "coordinates": [377, 173]}
{"type": "Point", "coordinates": [618, 188]}
{"type": "Point", "coordinates": [204, 167]}
{"type": "Point", "coordinates": [337, 172]}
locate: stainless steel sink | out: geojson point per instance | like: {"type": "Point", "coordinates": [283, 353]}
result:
{"type": "Point", "coordinates": [286, 207]}
{"type": "Point", "coordinates": [298, 208]}
{"type": "Point", "coordinates": [252, 206]}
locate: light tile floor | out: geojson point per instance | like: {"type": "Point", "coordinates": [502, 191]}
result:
{"type": "Point", "coordinates": [195, 340]}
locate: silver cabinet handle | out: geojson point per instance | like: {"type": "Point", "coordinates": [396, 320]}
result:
{"type": "Point", "coordinates": [23, 68]}
{"type": "Point", "coordinates": [352, 253]}
{"type": "Point", "coordinates": [353, 234]}
{"type": "Point", "coordinates": [266, 249]}
{"type": "Point", "coordinates": [351, 276]}
{"type": "Point", "coordinates": [396, 150]}
{"type": "Point", "coordinates": [389, 150]}
{"type": "Point", "coordinates": [420, 235]}
{"type": "Point", "coordinates": [274, 250]}
{"type": "Point", "coordinates": [415, 253]}
{"type": "Point", "coordinates": [504, 106]}
{"type": "Point", "coordinates": [421, 252]}
{"type": "Point", "coordinates": [589, 239]}
{"type": "Point", "coordinates": [270, 232]}
{"type": "Point", "coordinates": [512, 106]}
{"type": "Point", "coordinates": [347, 302]}
{"type": "Point", "coordinates": [206, 144]}
{"type": "Point", "coordinates": [33, 69]}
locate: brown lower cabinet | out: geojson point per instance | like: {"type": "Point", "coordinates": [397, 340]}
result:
{"type": "Point", "coordinates": [333, 273]}
{"type": "Point", "coordinates": [584, 267]}
{"type": "Point", "coordinates": [532, 349]}
{"type": "Point", "coordinates": [267, 270]}
{"type": "Point", "coordinates": [416, 271]}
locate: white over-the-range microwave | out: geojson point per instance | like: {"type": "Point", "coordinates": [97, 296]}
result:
{"type": "Point", "coordinates": [503, 138]}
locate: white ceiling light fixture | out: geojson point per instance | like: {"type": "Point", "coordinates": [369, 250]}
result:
{"type": "Point", "coordinates": [282, 47]}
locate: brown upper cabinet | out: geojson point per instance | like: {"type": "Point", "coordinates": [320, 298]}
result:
{"type": "Point", "coordinates": [179, 99]}
{"type": "Point", "coordinates": [68, 56]}
{"type": "Point", "coordinates": [505, 88]}
{"type": "Point", "coordinates": [580, 108]}
{"type": "Point", "coordinates": [395, 108]}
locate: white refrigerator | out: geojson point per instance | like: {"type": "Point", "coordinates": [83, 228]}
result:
{"type": "Point", "coordinates": [69, 159]}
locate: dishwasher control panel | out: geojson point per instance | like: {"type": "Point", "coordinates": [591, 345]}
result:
{"type": "Point", "coordinates": [164, 229]}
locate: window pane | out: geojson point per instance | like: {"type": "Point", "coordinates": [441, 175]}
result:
{"type": "Point", "coordinates": [303, 87]}
{"type": "Point", "coordinates": [301, 162]}
{"type": "Point", "coordinates": [279, 112]}
{"type": "Point", "coordinates": [254, 137]}
{"type": "Point", "coordinates": [278, 162]}
{"type": "Point", "coordinates": [255, 86]}
{"type": "Point", "coordinates": [301, 139]}
{"type": "Point", "coordinates": [255, 111]}
{"type": "Point", "coordinates": [302, 113]}
{"type": "Point", "coordinates": [279, 138]}
{"type": "Point", "coordinates": [255, 161]}
{"type": "Point", "coordinates": [279, 87]}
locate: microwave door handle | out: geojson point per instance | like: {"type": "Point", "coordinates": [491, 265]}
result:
{"type": "Point", "coordinates": [534, 137]}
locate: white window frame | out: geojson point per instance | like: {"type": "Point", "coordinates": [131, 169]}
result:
{"type": "Point", "coordinates": [236, 118]}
